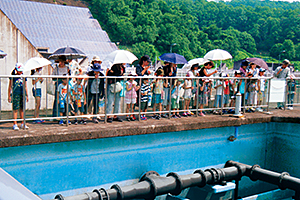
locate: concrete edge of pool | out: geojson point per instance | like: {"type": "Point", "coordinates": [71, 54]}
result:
{"type": "Point", "coordinates": [52, 133]}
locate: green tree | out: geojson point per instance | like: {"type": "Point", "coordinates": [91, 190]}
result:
{"type": "Point", "coordinates": [289, 49]}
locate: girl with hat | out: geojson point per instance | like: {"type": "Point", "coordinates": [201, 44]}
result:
{"type": "Point", "coordinates": [15, 94]}
{"type": "Point", "coordinates": [95, 87]}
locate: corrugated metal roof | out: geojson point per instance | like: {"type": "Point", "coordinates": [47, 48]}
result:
{"type": "Point", "coordinates": [55, 26]}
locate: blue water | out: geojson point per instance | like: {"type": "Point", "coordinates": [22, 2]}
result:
{"type": "Point", "coordinates": [49, 169]}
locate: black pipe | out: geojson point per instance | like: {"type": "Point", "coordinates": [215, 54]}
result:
{"type": "Point", "coordinates": [152, 184]}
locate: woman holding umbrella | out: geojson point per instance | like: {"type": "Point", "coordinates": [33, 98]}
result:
{"type": "Point", "coordinates": [113, 91]}
{"type": "Point", "coordinates": [60, 70]}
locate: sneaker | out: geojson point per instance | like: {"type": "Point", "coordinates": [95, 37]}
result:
{"type": "Point", "coordinates": [165, 116]}
{"type": "Point", "coordinates": [117, 119]}
{"type": "Point", "coordinates": [201, 114]}
{"type": "Point", "coordinates": [144, 118]}
{"type": "Point", "coordinates": [128, 119]}
{"type": "Point", "coordinates": [178, 116]}
{"type": "Point", "coordinates": [68, 122]}
{"type": "Point", "coordinates": [15, 127]}
{"type": "Point", "coordinates": [109, 120]}
{"type": "Point", "coordinates": [82, 122]}
{"type": "Point", "coordinates": [184, 115]}
{"type": "Point", "coordinates": [61, 122]}
{"type": "Point", "coordinates": [174, 116]}
{"type": "Point", "coordinates": [188, 114]}
{"type": "Point", "coordinates": [132, 118]}
{"type": "Point", "coordinates": [75, 122]}
{"type": "Point", "coordinates": [22, 126]}
{"type": "Point", "coordinates": [95, 120]}
{"type": "Point", "coordinates": [154, 116]}
{"type": "Point", "coordinates": [158, 117]}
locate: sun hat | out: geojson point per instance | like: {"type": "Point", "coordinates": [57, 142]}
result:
{"type": "Point", "coordinates": [19, 67]}
{"type": "Point", "coordinates": [286, 62]}
{"type": "Point", "coordinates": [97, 59]}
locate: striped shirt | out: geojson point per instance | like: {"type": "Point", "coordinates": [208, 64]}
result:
{"type": "Point", "coordinates": [145, 88]}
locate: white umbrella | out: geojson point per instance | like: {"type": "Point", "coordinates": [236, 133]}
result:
{"type": "Point", "coordinates": [120, 56]}
{"type": "Point", "coordinates": [36, 62]}
{"type": "Point", "coordinates": [217, 54]}
{"type": "Point", "coordinates": [199, 61]}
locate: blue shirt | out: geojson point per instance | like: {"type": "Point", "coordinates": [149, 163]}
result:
{"type": "Point", "coordinates": [17, 85]}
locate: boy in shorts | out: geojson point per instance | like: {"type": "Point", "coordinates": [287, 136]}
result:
{"type": "Point", "coordinates": [62, 102]}
{"type": "Point", "coordinates": [78, 92]}
{"type": "Point", "coordinates": [145, 92]}
{"type": "Point", "coordinates": [175, 98]}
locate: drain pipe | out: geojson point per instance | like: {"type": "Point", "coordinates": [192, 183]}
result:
{"type": "Point", "coordinates": [238, 106]}
{"type": "Point", "coordinates": [152, 184]}
{"type": "Point", "coordinates": [236, 132]}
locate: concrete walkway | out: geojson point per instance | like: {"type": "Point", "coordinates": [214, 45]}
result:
{"type": "Point", "coordinates": [50, 132]}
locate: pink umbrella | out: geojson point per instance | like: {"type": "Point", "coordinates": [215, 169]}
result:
{"type": "Point", "coordinates": [260, 62]}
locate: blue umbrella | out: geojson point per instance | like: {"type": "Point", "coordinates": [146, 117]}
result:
{"type": "Point", "coordinates": [2, 54]}
{"type": "Point", "coordinates": [173, 58]}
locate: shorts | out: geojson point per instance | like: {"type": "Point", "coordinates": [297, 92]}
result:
{"type": "Point", "coordinates": [80, 109]}
{"type": "Point", "coordinates": [174, 104]}
{"type": "Point", "coordinates": [260, 96]}
{"type": "Point", "coordinates": [226, 99]}
{"type": "Point", "coordinates": [166, 98]}
{"type": "Point", "coordinates": [63, 110]}
{"type": "Point", "coordinates": [157, 98]}
{"type": "Point", "coordinates": [203, 99]}
{"type": "Point", "coordinates": [37, 92]}
{"type": "Point", "coordinates": [144, 106]}
{"type": "Point", "coordinates": [17, 102]}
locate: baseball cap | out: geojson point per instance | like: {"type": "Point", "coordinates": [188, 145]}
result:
{"type": "Point", "coordinates": [262, 70]}
{"type": "Point", "coordinates": [19, 67]}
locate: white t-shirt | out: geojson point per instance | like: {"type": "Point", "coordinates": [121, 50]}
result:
{"type": "Point", "coordinates": [38, 84]}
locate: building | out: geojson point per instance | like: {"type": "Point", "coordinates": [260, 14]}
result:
{"type": "Point", "coordinates": [29, 29]}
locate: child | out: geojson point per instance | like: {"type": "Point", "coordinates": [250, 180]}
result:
{"type": "Point", "coordinates": [130, 96]}
{"type": "Point", "coordinates": [252, 89]}
{"type": "Point", "coordinates": [37, 92]}
{"type": "Point", "coordinates": [203, 90]}
{"type": "Point", "coordinates": [226, 91]}
{"type": "Point", "coordinates": [62, 101]}
{"type": "Point", "coordinates": [145, 92]}
{"type": "Point", "coordinates": [157, 93]}
{"type": "Point", "coordinates": [78, 91]}
{"type": "Point", "coordinates": [187, 86]}
{"type": "Point", "coordinates": [175, 98]}
{"type": "Point", "coordinates": [261, 89]}
{"type": "Point", "coordinates": [15, 92]}
{"type": "Point", "coordinates": [291, 83]}
{"type": "Point", "coordinates": [218, 96]}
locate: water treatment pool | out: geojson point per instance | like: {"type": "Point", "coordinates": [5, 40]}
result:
{"type": "Point", "coordinates": [71, 168]}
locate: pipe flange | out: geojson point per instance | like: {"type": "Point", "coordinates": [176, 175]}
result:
{"type": "Point", "coordinates": [149, 173]}
{"type": "Point", "coordinates": [251, 174]}
{"type": "Point", "coordinates": [214, 174]}
{"type": "Point", "coordinates": [59, 197]}
{"type": "Point", "coordinates": [120, 195]}
{"type": "Point", "coordinates": [179, 184]}
{"type": "Point", "coordinates": [282, 187]}
{"type": "Point", "coordinates": [106, 197]}
{"type": "Point", "coordinates": [222, 176]}
{"type": "Point", "coordinates": [153, 188]}
{"type": "Point", "coordinates": [203, 177]}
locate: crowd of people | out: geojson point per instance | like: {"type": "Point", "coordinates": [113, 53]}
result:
{"type": "Point", "coordinates": [162, 90]}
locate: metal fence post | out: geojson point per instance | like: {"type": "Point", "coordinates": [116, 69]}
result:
{"type": "Point", "coordinates": [105, 100]}
{"type": "Point", "coordinates": [24, 103]}
{"type": "Point", "coordinates": [67, 102]}
{"type": "Point", "coordinates": [269, 94]}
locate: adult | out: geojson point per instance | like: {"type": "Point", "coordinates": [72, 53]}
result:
{"type": "Point", "coordinates": [142, 69]}
{"type": "Point", "coordinates": [62, 69]}
{"type": "Point", "coordinates": [282, 72]}
{"type": "Point", "coordinates": [94, 89]}
{"type": "Point", "coordinates": [193, 73]}
{"type": "Point", "coordinates": [37, 92]}
{"type": "Point", "coordinates": [203, 71]}
{"type": "Point", "coordinates": [113, 92]}
{"type": "Point", "coordinates": [168, 72]}
{"type": "Point", "coordinates": [261, 88]}
{"type": "Point", "coordinates": [143, 66]}
{"type": "Point", "coordinates": [243, 68]}
{"type": "Point", "coordinates": [15, 94]}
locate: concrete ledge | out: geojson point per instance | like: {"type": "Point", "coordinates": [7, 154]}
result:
{"type": "Point", "coordinates": [52, 132]}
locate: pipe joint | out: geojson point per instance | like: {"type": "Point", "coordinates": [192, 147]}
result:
{"type": "Point", "coordinates": [59, 197]}
{"type": "Point", "coordinates": [119, 190]}
{"type": "Point", "coordinates": [251, 172]}
{"type": "Point", "coordinates": [214, 174]}
{"type": "Point", "coordinates": [280, 178]}
{"type": "Point", "coordinates": [179, 184]}
{"type": "Point", "coordinates": [203, 177]}
{"type": "Point", "coordinates": [153, 188]}
{"type": "Point", "coordinates": [102, 194]}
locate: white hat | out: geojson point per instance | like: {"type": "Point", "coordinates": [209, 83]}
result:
{"type": "Point", "coordinates": [96, 58]}
{"type": "Point", "coordinates": [19, 67]}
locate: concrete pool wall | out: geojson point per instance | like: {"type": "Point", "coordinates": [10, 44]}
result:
{"type": "Point", "coordinates": [72, 167]}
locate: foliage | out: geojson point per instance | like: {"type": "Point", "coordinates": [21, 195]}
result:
{"type": "Point", "coordinates": [242, 27]}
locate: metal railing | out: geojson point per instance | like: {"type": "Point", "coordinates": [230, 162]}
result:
{"type": "Point", "coordinates": [201, 97]}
